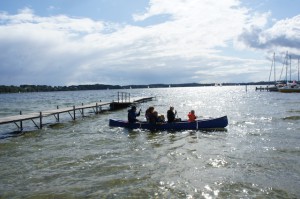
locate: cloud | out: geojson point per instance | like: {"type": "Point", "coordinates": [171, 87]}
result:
{"type": "Point", "coordinates": [63, 50]}
{"type": "Point", "coordinates": [283, 36]}
{"type": "Point", "coordinates": [196, 25]}
{"type": "Point", "coordinates": [52, 8]}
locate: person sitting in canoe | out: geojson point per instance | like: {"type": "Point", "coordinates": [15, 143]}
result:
{"type": "Point", "coordinates": [148, 113]}
{"type": "Point", "coordinates": [192, 117]}
{"type": "Point", "coordinates": [171, 115]}
{"type": "Point", "coordinates": [155, 118]}
{"type": "Point", "coordinates": [132, 114]}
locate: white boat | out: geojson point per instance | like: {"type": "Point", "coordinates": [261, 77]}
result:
{"type": "Point", "coordinates": [293, 87]}
{"type": "Point", "coordinates": [290, 88]}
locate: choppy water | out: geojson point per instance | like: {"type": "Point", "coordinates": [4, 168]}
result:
{"type": "Point", "coordinates": [258, 156]}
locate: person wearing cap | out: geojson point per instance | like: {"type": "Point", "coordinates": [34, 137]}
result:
{"type": "Point", "coordinates": [171, 115]}
{"type": "Point", "coordinates": [132, 114]}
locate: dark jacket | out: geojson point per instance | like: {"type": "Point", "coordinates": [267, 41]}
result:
{"type": "Point", "coordinates": [132, 114]}
{"type": "Point", "coordinates": [152, 118]}
{"type": "Point", "coordinates": [170, 116]}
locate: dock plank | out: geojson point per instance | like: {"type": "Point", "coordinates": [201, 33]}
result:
{"type": "Point", "coordinates": [56, 111]}
{"type": "Point", "coordinates": [17, 118]}
{"type": "Point", "coordinates": [140, 99]}
{"type": "Point", "coordinates": [68, 109]}
{"type": "Point", "coordinates": [29, 116]}
{"type": "Point", "coordinates": [93, 105]}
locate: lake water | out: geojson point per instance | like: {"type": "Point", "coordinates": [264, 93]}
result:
{"type": "Point", "coordinates": [256, 156]}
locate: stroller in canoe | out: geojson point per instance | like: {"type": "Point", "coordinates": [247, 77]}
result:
{"type": "Point", "coordinates": [210, 123]}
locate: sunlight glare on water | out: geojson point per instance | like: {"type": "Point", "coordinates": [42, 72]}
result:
{"type": "Point", "coordinates": [257, 155]}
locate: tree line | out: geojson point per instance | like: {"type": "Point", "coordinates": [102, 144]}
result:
{"type": "Point", "coordinates": [44, 88]}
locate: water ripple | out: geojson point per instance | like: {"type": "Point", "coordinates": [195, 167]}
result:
{"type": "Point", "coordinates": [296, 117]}
{"type": "Point", "coordinates": [256, 156]}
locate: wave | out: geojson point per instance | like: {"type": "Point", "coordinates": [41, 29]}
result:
{"type": "Point", "coordinates": [294, 111]}
{"type": "Point", "coordinates": [292, 118]}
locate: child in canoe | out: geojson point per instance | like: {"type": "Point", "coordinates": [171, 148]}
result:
{"type": "Point", "coordinates": [192, 117]}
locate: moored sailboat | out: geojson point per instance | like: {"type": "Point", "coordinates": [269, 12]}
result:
{"type": "Point", "coordinates": [290, 88]}
{"type": "Point", "coordinates": [293, 87]}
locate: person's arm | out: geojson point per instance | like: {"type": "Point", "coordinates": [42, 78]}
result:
{"type": "Point", "coordinates": [139, 113]}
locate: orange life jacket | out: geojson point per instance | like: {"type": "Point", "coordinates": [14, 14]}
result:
{"type": "Point", "coordinates": [192, 117]}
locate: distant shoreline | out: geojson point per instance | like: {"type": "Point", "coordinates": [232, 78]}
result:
{"type": "Point", "coordinates": [44, 88]}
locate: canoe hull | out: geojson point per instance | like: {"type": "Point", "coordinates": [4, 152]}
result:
{"type": "Point", "coordinates": [220, 122]}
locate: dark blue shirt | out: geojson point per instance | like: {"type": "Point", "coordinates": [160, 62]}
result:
{"type": "Point", "coordinates": [132, 114]}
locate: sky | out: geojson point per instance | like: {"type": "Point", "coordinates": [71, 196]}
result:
{"type": "Point", "coordinates": [125, 42]}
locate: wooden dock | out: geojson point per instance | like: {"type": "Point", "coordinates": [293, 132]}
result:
{"type": "Point", "coordinates": [96, 107]}
{"type": "Point", "coordinates": [267, 88]}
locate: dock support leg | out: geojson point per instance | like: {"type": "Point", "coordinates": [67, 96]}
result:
{"type": "Point", "coordinates": [74, 118]}
{"type": "Point", "coordinates": [21, 123]}
{"type": "Point", "coordinates": [82, 110]}
{"type": "Point", "coordinates": [41, 120]}
{"type": "Point", "coordinates": [57, 115]}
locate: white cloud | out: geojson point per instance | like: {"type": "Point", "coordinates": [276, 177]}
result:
{"type": "Point", "coordinates": [196, 25]}
{"type": "Point", "coordinates": [283, 36]}
{"type": "Point", "coordinates": [62, 50]}
{"type": "Point", "coordinates": [52, 8]}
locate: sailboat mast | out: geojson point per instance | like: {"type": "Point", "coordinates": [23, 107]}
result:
{"type": "Point", "coordinates": [286, 69]}
{"type": "Point", "coordinates": [298, 70]}
{"type": "Point", "coordinates": [271, 69]}
{"type": "Point", "coordinates": [290, 68]}
{"type": "Point", "coordinates": [274, 68]}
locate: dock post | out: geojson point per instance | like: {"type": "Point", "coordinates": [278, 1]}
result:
{"type": "Point", "coordinates": [74, 113]}
{"type": "Point", "coordinates": [112, 105]}
{"type": "Point", "coordinates": [82, 110]}
{"type": "Point", "coordinates": [21, 123]}
{"type": "Point", "coordinates": [97, 108]}
{"type": "Point", "coordinates": [41, 120]}
{"type": "Point", "coordinates": [57, 115]}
